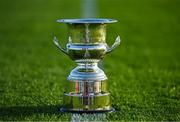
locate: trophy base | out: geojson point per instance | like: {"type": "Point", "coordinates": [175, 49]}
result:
{"type": "Point", "coordinates": [86, 111]}
{"type": "Point", "coordinates": [78, 102]}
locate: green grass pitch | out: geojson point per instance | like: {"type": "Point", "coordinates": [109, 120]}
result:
{"type": "Point", "coordinates": [144, 72]}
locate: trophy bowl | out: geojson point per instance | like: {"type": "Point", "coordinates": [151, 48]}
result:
{"type": "Point", "coordinates": [86, 89]}
{"type": "Point", "coordinates": [87, 38]}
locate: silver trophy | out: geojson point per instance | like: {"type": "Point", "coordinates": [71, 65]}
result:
{"type": "Point", "coordinates": [86, 90]}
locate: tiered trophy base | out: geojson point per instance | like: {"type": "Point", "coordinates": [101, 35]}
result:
{"type": "Point", "coordinates": [86, 90]}
{"type": "Point", "coordinates": [75, 103]}
{"type": "Point", "coordinates": [87, 104]}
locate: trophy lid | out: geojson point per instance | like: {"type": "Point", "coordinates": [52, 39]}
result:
{"type": "Point", "coordinates": [87, 21]}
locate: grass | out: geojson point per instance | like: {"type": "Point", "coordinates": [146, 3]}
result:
{"type": "Point", "coordinates": [144, 72]}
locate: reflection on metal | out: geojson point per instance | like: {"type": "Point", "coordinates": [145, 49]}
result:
{"type": "Point", "coordinates": [86, 89]}
{"type": "Point", "coordinates": [88, 117]}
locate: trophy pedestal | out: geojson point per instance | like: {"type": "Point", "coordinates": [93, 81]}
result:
{"type": "Point", "coordinates": [86, 90]}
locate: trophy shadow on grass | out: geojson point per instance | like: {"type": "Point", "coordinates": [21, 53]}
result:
{"type": "Point", "coordinates": [19, 111]}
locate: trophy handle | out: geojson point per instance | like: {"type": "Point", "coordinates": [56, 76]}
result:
{"type": "Point", "coordinates": [56, 42]}
{"type": "Point", "coordinates": [116, 43]}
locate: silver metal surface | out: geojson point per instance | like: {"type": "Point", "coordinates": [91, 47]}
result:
{"type": "Point", "coordinates": [87, 51]}
{"type": "Point", "coordinates": [87, 72]}
{"type": "Point", "coordinates": [116, 43]}
{"type": "Point", "coordinates": [87, 20]}
{"type": "Point", "coordinates": [86, 88]}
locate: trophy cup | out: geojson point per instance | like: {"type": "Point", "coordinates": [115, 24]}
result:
{"type": "Point", "coordinates": [86, 90]}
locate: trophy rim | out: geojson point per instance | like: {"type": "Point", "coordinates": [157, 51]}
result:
{"type": "Point", "coordinates": [87, 21]}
